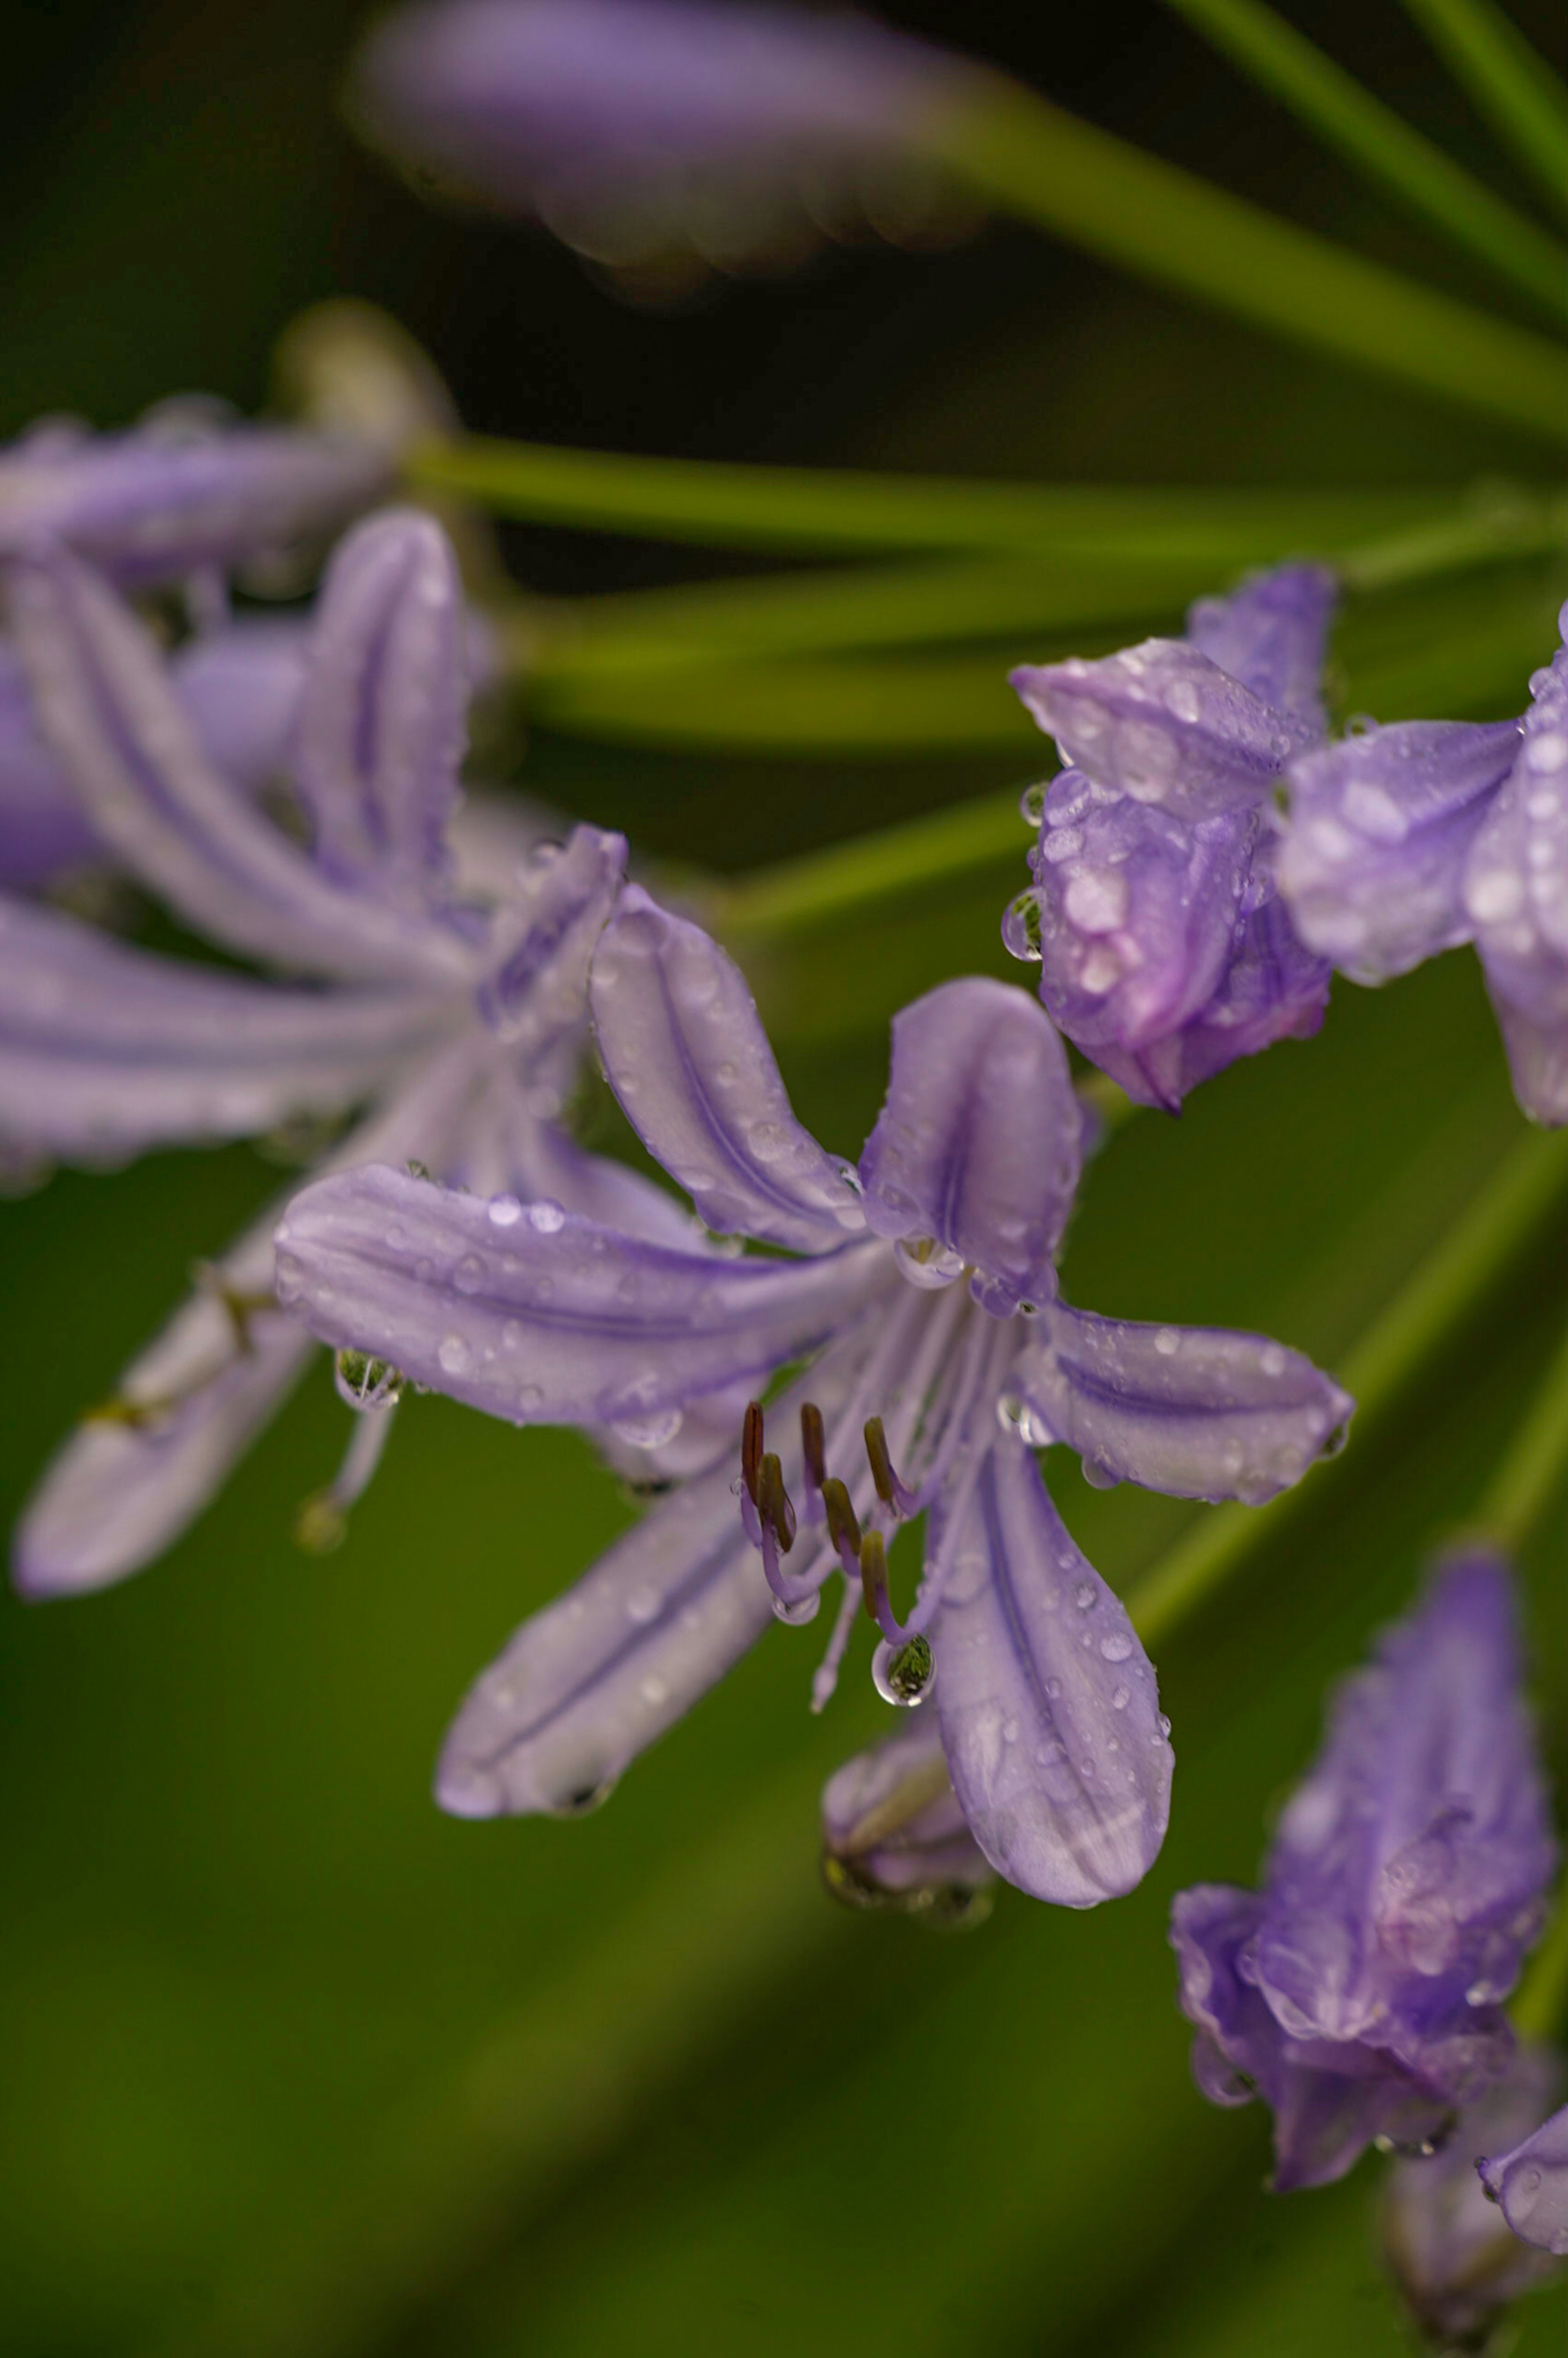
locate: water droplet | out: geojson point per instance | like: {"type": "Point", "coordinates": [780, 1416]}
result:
{"type": "Point", "coordinates": [546, 1216]}
{"type": "Point", "coordinates": [469, 1274]}
{"type": "Point", "coordinates": [1032, 803]}
{"type": "Point", "coordinates": [1272, 1359]}
{"type": "Point", "coordinates": [1010, 1731]}
{"type": "Point", "coordinates": [364, 1381]}
{"type": "Point", "coordinates": [922, 1262]}
{"type": "Point", "coordinates": [1164, 1725]}
{"type": "Point", "coordinates": [655, 1690]}
{"type": "Point", "coordinates": [1117, 1647]}
{"type": "Point", "coordinates": [1167, 1342]}
{"type": "Point", "coordinates": [1121, 1698]}
{"type": "Point", "coordinates": [505, 1211]}
{"type": "Point", "coordinates": [648, 1431]}
{"type": "Point", "coordinates": [1021, 928]}
{"type": "Point", "coordinates": [530, 1397]}
{"type": "Point", "coordinates": [796, 1615]}
{"type": "Point", "coordinates": [1053, 1686]}
{"type": "Point", "coordinates": [1084, 1596]}
{"type": "Point", "coordinates": [903, 1674]}
{"type": "Point", "coordinates": [453, 1355]}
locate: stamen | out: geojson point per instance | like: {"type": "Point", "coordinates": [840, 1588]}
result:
{"type": "Point", "coordinates": [893, 1494]}
{"type": "Point", "coordinates": [751, 1448]}
{"type": "Point", "coordinates": [843, 1525]}
{"type": "Point", "coordinates": [321, 1524]}
{"type": "Point", "coordinates": [773, 1503]}
{"type": "Point", "coordinates": [814, 1448]}
{"type": "Point", "coordinates": [874, 1588]}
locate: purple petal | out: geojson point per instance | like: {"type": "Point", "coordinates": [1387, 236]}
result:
{"type": "Point", "coordinates": [1373, 853]}
{"type": "Point", "coordinates": [560, 897]}
{"type": "Point", "coordinates": [1163, 724]}
{"type": "Point", "coordinates": [589, 1682]}
{"type": "Point", "coordinates": [113, 720]}
{"type": "Point", "coordinates": [1047, 1701]}
{"type": "Point", "coordinates": [892, 1826]}
{"type": "Point", "coordinates": [1406, 1876]}
{"type": "Point", "coordinates": [1455, 2260]}
{"type": "Point", "coordinates": [1271, 635]}
{"type": "Point", "coordinates": [1516, 896]}
{"type": "Point", "coordinates": [105, 1049]}
{"type": "Point", "coordinates": [1196, 1411]}
{"type": "Point", "coordinates": [978, 1144]}
{"type": "Point", "coordinates": [538, 1316]}
{"type": "Point", "coordinates": [241, 687]}
{"type": "Point", "coordinates": [685, 1053]}
{"type": "Point", "coordinates": [1273, 988]}
{"type": "Point", "coordinates": [43, 828]}
{"type": "Point", "coordinates": [382, 724]}
{"type": "Point", "coordinates": [1531, 2185]}
{"type": "Point", "coordinates": [148, 507]}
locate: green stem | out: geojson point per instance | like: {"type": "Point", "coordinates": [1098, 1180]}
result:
{"type": "Point", "coordinates": [1510, 83]}
{"type": "Point", "coordinates": [1543, 2000]}
{"type": "Point", "coordinates": [823, 885]}
{"type": "Point", "coordinates": [1532, 1470]}
{"type": "Point", "coordinates": [1444, 1291]}
{"type": "Point", "coordinates": [1383, 146]}
{"type": "Point", "coordinates": [1032, 160]}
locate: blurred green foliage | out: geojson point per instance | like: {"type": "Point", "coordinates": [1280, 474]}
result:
{"type": "Point", "coordinates": [296, 2064]}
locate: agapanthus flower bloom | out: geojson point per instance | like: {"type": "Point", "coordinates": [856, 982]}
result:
{"type": "Point", "coordinates": [1456, 2260]}
{"type": "Point", "coordinates": [1359, 1992]}
{"type": "Point", "coordinates": [921, 1290]}
{"type": "Point", "coordinates": [637, 128]}
{"type": "Point", "coordinates": [458, 1024]}
{"type": "Point", "coordinates": [1411, 839]}
{"type": "Point", "coordinates": [1530, 2183]}
{"type": "Point", "coordinates": [1165, 950]}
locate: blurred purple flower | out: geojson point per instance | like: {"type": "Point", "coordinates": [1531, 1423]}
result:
{"type": "Point", "coordinates": [1530, 2183]}
{"type": "Point", "coordinates": [459, 1026]}
{"type": "Point", "coordinates": [1408, 840]}
{"type": "Point", "coordinates": [1453, 2257]}
{"type": "Point", "coordinates": [637, 129]}
{"type": "Point", "coordinates": [1165, 951]}
{"type": "Point", "coordinates": [1359, 1992]}
{"type": "Point", "coordinates": [1046, 1699]}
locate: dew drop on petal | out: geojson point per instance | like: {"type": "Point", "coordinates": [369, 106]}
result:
{"type": "Point", "coordinates": [546, 1216]}
{"type": "Point", "coordinates": [505, 1211]}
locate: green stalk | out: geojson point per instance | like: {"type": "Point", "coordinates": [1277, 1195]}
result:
{"type": "Point", "coordinates": [822, 885]}
{"type": "Point", "coordinates": [1444, 1291]}
{"type": "Point", "coordinates": [1383, 146]}
{"type": "Point", "coordinates": [1533, 1468]}
{"type": "Point", "coordinates": [1032, 160]}
{"type": "Point", "coordinates": [1510, 83]}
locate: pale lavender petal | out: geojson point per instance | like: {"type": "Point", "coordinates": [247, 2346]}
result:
{"type": "Point", "coordinates": [1451, 2253]}
{"type": "Point", "coordinates": [1196, 1411]}
{"type": "Point", "coordinates": [1273, 988]}
{"type": "Point", "coordinates": [382, 723]}
{"type": "Point", "coordinates": [1531, 2185]}
{"type": "Point", "coordinates": [590, 1682]}
{"type": "Point", "coordinates": [106, 1049]}
{"type": "Point", "coordinates": [1515, 897]}
{"type": "Point", "coordinates": [533, 1315]}
{"type": "Point", "coordinates": [558, 901]}
{"type": "Point", "coordinates": [150, 505]}
{"type": "Point", "coordinates": [1372, 856]}
{"type": "Point", "coordinates": [132, 757]}
{"type": "Point", "coordinates": [977, 1145]}
{"type": "Point", "coordinates": [1047, 1701]}
{"type": "Point", "coordinates": [892, 1832]}
{"type": "Point", "coordinates": [1272, 634]}
{"type": "Point", "coordinates": [685, 1053]}
{"type": "Point", "coordinates": [241, 687]}
{"type": "Point", "coordinates": [1163, 724]}
{"type": "Point", "coordinates": [43, 827]}
{"type": "Point", "coordinates": [1406, 1876]}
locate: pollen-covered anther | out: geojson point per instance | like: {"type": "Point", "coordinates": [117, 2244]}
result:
{"type": "Point", "coordinates": [751, 1448]}
{"type": "Point", "coordinates": [773, 1503]}
{"type": "Point", "coordinates": [843, 1525]}
{"type": "Point", "coordinates": [813, 1446]}
{"type": "Point", "coordinates": [894, 1494]}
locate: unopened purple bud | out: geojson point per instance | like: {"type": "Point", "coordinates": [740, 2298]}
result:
{"type": "Point", "coordinates": [893, 1836]}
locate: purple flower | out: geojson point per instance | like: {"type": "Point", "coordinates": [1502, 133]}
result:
{"type": "Point", "coordinates": [1165, 951]}
{"type": "Point", "coordinates": [180, 494]}
{"type": "Point", "coordinates": [1409, 839]}
{"type": "Point", "coordinates": [1530, 2183]}
{"type": "Point", "coordinates": [921, 1294]}
{"type": "Point", "coordinates": [638, 128]}
{"type": "Point", "coordinates": [893, 1836]}
{"type": "Point", "coordinates": [453, 1026]}
{"type": "Point", "coordinates": [1359, 1992]}
{"type": "Point", "coordinates": [1453, 2257]}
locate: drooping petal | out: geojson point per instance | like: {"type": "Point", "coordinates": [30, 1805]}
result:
{"type": "Point", "coordinates": [978, 1144]}
{"type": "Point", "coordinates": [536, 1315]}
{"type": "Point", "coordinates": [1407, 1874]}
{"type": "Point", "coordinates": [1272, 634]}
{"type": "Point", "coordinates": [1196, 1411]}
{"type": "Point", "coordinates": [589, 1682]}
{"type": "Point", "coordinates": [1273, 988]}
{"type": "Point", "coordinates": [1531, 2185]}
{"type": "Point", "coordinates": [113, 720]}
{"type": "Point", "coordinates": [1450, 2251]}
{"type": "Point", "coordinates": [685, 1053]}
{"type": "Point", "coordinates": [1047, 1701]}
{"type": "Point", "coordinates": [892, 1832]}
{"type": "Point", "coordinates": [151, 506]}
{"type": "Point", "coordinates": [1163, 724]}
{"type": "Point", "coordinates": [131, 1479]}
{"type": "Point", "coordinates": [1371, 861]}
{"type": "Point", "coordinates": [1515, 897]}
{"type": "Point", "coordinates": [560, 898]}
{"type": "Point", "coordinates": [106, 1049]}
{"type": "Point", "coordinates": [382, 723]}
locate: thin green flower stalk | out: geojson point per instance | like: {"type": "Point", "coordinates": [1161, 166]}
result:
{"type": "Point", "coordinates": [1510, 83]}
{"type": "Point", "coordinates": [1383, 146]}
{"type": "Point", "coordinates": [1531, 1473]}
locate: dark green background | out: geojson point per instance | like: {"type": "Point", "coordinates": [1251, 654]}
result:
{"type": "Point", "coordinates": [255, 1991]}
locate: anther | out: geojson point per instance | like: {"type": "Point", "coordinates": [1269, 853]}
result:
{"type": "Point", "coordinates": [774, 1501]}
{"type": "Point", "coordinates": [751, 1448]}
{"type": "Point", "coordinates": [889, 1489]}
{"type": "Point", "coordinates": [843, 1523]}
{"type": "Point", "coordinates": [814, 1448]}
{"type": "Point", "coordinates": [874, 1584]}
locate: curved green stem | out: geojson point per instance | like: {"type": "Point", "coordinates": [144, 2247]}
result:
{"type": "Point", "coordinates": [1033, 160]}
{"type": "Point", "coordinates": [1383, 146]}
{"type": "Point", "coordinates": [1510, 83]}
{"type": "Point", "coordinates": [1532, 1471]}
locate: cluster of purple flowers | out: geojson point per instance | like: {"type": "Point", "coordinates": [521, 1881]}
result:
{"type": "Point", "coordinates": [429, 976]}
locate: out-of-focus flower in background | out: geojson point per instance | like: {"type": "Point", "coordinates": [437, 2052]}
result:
{"type": "Point", "coordinates": [1530, 2183]}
